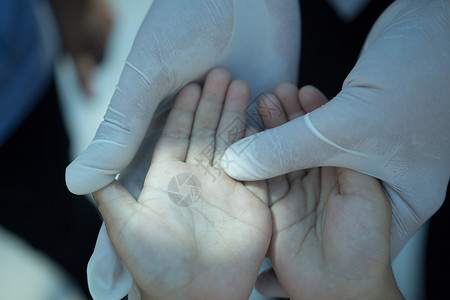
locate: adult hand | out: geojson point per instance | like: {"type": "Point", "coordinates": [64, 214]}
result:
{"type": "Point", "coordinates": [389, 121]}
{"type": "Point", "coordinates": [178, 42]}
{"type": "Point", "coordinates": [84, 26]}
{"type": "Point", "coordinates": [208, 239]}
{"type": "Point", "coordinates": [331, 226]}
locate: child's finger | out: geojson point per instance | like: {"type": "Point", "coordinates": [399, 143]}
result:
{"type": "Point", "coordinates": [207, 116]}
{"type": "Point", "coordinates": [258, 188]}
{"type": "Point", "coordinates": [115, 204]}
{"type": "Point", "coordinates": [232, 121]}
{"type": "Point", "coordinates": [174, 141]}
{"type": "Point", "coordinates": [273, 115]}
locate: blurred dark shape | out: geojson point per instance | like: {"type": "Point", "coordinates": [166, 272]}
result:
{"type": "Point", "coordinates": [34, 201]}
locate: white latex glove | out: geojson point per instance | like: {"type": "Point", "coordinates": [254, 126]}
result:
{"type": "Point", "coordinates": [391, 119]}
{"type": "Point", "coordinates": [179, 41]}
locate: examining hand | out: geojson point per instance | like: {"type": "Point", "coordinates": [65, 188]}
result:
{"type": "Point", "coordinates": [331, 226]}
{"type": "Point", "coordinates": [208, 239]}
{"type": "Point", "coordinates": [389, 121]}
{"type": "Point", "coordinates": [178, 42]}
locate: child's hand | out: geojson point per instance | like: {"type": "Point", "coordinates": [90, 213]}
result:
{"type": "Point", "coordinates": [194, 232]}
{"type": "Point", "coordinates": [331, 226]}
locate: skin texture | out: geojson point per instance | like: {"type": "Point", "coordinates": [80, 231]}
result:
{"type": "Point", "coordinates": [213, 248]}
{"type": "Point", "coordinates": [331, 226]}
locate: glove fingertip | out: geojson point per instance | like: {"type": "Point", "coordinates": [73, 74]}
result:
{"type": "Point", "coordinates": [82, 180]}
{"type": "Point", "coordinates": [240, 167]}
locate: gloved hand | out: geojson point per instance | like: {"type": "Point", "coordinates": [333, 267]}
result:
{"type": "Point", "coordinates": [391, 119]}
{"type": "Point", "coordinates": [179, 42]}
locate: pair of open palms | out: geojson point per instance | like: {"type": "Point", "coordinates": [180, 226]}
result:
{"type": "Point", "coordinates": [326, 230]}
